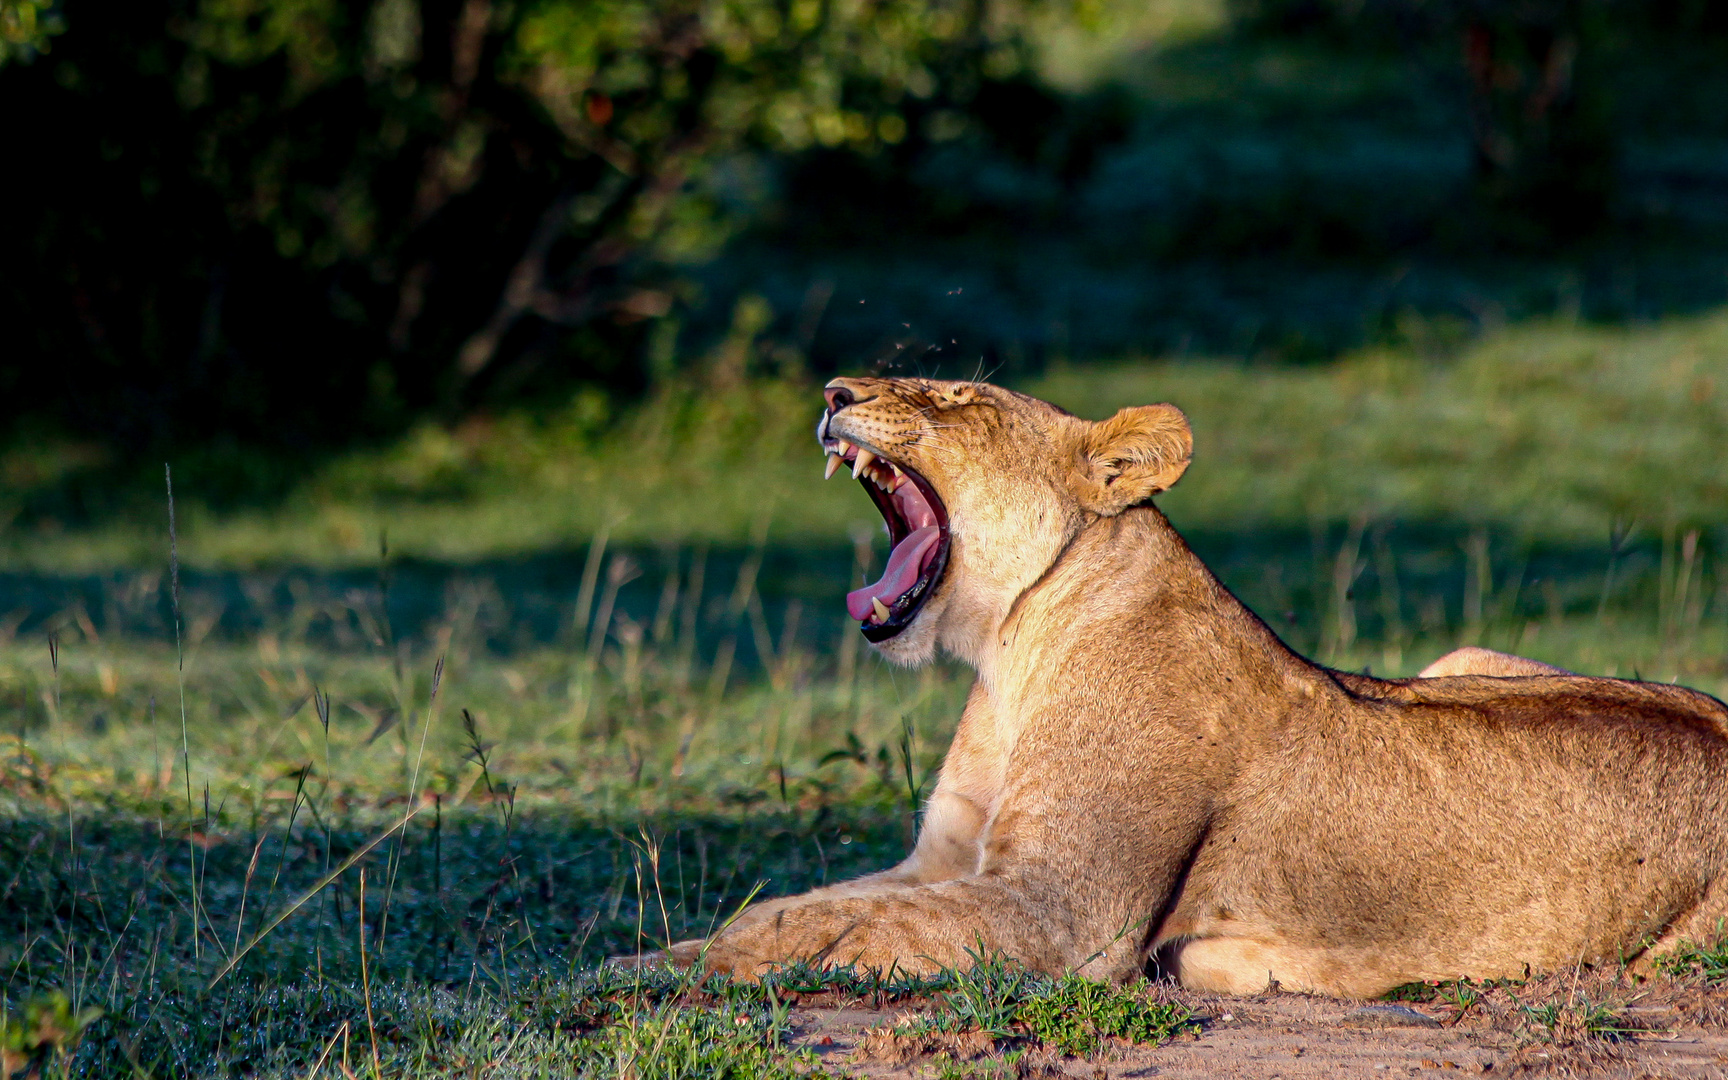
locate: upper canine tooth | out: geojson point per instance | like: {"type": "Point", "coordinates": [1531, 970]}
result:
{"type": "Point", "coordinates": [833, 466]}
{"type": "Point", "coordinates": [865, 457]}
{"type": "Point", "coordinates": [881, 609]}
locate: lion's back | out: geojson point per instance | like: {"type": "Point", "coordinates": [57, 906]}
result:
{"type": "Point", "coordinates": [1554, 698]}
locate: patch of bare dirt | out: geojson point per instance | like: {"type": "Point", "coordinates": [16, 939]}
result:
{"type": "Point", "coordinates": [1596, 1026]}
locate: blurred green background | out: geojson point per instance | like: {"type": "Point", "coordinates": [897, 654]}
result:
{"type": "Point", "coordinates": [484, 339]}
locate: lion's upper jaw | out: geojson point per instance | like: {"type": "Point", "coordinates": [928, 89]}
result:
{"type": "Point", "coordinates": [1004, 534]}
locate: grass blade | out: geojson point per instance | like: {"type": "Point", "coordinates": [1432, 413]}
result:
{"type": "Point", "coordinates": [355, 856]}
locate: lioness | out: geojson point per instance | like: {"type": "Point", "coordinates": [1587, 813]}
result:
{"type": "Point", "coordinates": [1145, 774]}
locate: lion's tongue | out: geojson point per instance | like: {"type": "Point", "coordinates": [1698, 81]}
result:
{"type": "Point", "coordinates": [905, 563]}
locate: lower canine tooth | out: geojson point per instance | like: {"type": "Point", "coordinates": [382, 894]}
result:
{"type": "Point", "coordinates": [862, 462]}
{"type": "Point", "coordinates": [881, 609]}
{"type": "Point", "coordinates": [832, 467]}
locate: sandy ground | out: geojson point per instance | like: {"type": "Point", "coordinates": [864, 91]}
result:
{"type": "Point", "coordinates": [1682, 1031]}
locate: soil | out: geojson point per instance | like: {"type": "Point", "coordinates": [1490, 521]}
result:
{"type": "Point", "coordinates": [1576, 1026]}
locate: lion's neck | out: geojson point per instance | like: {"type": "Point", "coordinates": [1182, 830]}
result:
{"type": "Point", "coordinates": [1128, 597]}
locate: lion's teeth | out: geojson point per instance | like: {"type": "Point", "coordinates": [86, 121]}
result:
{"type": "Point", "coordinates": [881, 609]}
{"type": "Point", "coordinates": [833, 467]}
{"type": "Point", "coordinates": [863, 461]}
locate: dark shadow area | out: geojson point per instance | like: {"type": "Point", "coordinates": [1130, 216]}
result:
{"type": "Point", "coordinates": [462, 888]}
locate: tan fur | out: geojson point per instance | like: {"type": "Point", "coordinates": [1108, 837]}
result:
{"type": "Point", "coordinates": [1145, 774]}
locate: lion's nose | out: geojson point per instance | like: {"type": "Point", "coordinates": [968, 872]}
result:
{"type": "Point", "coordinates": [838, 398]}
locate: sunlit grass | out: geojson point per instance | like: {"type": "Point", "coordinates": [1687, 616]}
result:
{"type": "Point", "coordinates": [1549, 431]}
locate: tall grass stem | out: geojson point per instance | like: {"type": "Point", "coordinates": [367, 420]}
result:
{"type": "Point", "coordinates": [180, 680]}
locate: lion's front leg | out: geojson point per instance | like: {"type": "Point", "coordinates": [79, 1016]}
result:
{"type": "Point", "coordinates": [947, 848]}
{"type": "Point", "coordinates": [921, 929]}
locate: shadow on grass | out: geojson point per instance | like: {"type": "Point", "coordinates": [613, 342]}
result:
{"type": "Point", "coordinates": [104, 896]}
{"type": "Point", "coordinates": [1323, 589]}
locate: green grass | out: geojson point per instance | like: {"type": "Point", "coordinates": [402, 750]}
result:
{"type": "Point", "coordinates": [1706, 961]}
{"type": "Point", "coordinates": [530, 816]}
{"type": "Point", "coordinates": [1576, 1018]}
{"type": "Point", "coordinates": [998, 998]}
{"type": "Point", "coordinates": [1551, 431]}
{"type": "Point", "coordinates": [598, 690]}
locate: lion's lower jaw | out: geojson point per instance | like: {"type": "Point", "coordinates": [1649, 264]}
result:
{"type": "Point", "coordinates": [916, 644]}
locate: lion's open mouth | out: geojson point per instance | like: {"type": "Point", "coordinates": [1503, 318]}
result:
{"type": "Point", "coordinates": [917, 530]}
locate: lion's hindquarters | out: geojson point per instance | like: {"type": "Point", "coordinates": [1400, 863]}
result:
{"type": "Point", "coordinates": [1234, 965]}
{"type": "Point", "coordinates": [1463, 844]}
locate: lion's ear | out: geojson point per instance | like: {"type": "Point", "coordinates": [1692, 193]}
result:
{"type": "Point", "coordinates": [1132, 456]}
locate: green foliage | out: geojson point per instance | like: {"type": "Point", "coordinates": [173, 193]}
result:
{"type": "Point", "coordinates": [45, 1030]}
{"type": "Point", "coordinates": [1075, 1015]}
{"type": "Point", "coordinates": [1576, 1018]}
{"type": "Point", "coordinates": [677, 1042]}
{"type": "Point", "coordinates": [791, 75]}
{"type": "Point", "coordinates": [1462, 995]}
{"type": "Point", "coordinates": [998, 997]}
{"type": "Point", "coordinates": [306, 213]}
{"type": "Point", "coordinates": [25, 27]}
{"type": "Point", "coordinates": [988, 996]}
{"type": "Point", "coordinates": [1708, 963]}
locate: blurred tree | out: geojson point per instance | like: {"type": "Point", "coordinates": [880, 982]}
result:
{"type": "Point", "coordinates": [300, 222]}
{"type": "Point", "coordinates": [25, 26]}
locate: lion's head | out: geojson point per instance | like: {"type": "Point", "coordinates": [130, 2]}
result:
{"type": "Point", "coordinates": [981, 489]}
